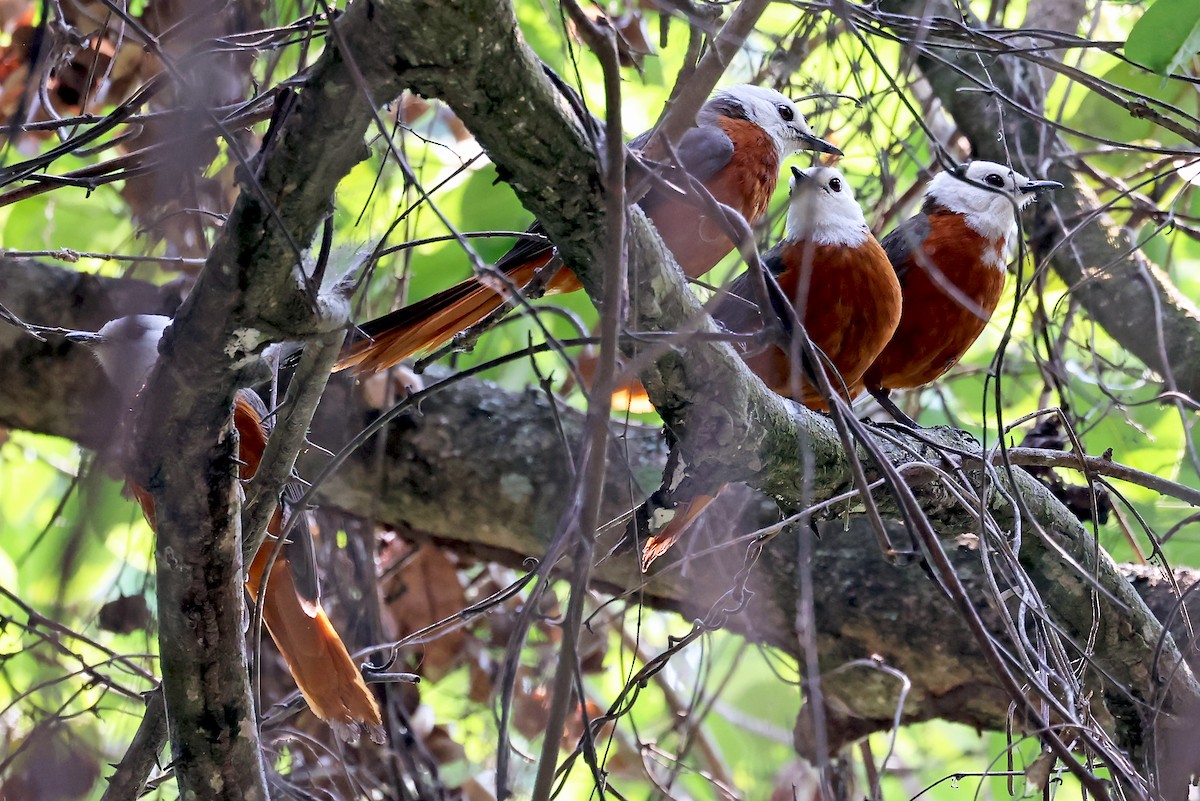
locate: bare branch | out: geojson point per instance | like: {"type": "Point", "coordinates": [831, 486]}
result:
{"type": "Point", "coordinates": [996, 107]}
{"type": "Point", "coordinates": [864, 606]}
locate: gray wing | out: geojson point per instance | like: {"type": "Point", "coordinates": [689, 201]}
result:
{"type": "Point", "coordinates": [703, 150]}
{"type": "Point", "coordinates": [738, 311]}
{"type": "Point", "coordinates": [903, 242]}
{"type": "Point", "coordinates": [301, 551]}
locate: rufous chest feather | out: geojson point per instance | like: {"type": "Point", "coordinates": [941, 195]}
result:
{"type": "Point", "coordinates": [956, 254]}
{"type": "Point", "coordinates": [848, 299]}
{"type": "Point", "coordinates": [952, 282]}
{"type": "Point", "coordinates": [747, 182]}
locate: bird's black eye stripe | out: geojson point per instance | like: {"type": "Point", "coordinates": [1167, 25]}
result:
{"type": "Point", "coordinates": [995, 179]}
{"type": "Point", "coordinates": [835, 184]}
{"type": "Point", "coordinates": [785, 111]}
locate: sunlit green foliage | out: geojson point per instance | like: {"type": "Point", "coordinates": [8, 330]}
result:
{"type": "Point", "coordinates": [69, 542]}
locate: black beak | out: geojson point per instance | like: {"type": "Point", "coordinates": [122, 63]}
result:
{"type": "Point", "coordinates": [799, 174]}
{"type": "Point", "coordinates": [810, 142]}
{"type": "Point", "coordinates": [1033, 187]}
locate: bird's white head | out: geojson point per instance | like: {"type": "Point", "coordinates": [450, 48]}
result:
{"type": "Point", "coordinates": [774, 113]}
{"type": "Point", "coordinates": [127, 349]}
{"type": "Point", "coordinates": [986, 194]}
{"type": "Point", "coordinates": [822, 209]}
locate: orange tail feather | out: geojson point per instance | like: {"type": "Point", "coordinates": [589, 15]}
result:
{"type": "Point", "coordinates": [628, 396]}
{"type": "Point", "coordinates": [328, 678]}
{"type": "Point", "coordinates": [661, 542]}
{"type": "Point", "coordinates": [432, 322]}
{"type": "Point", "coordinates": [316, 656]}
{"type": "Point", "coordinates": [632, 397]}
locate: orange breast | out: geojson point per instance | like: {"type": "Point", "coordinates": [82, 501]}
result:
{"type": "Point", "coordinates": [849, 302]}
{"type": "Point", "coordinates": [252, 437]}
{"type": "Point", "coordinates": [937, 328]}
{"type": "Point", "coordinates": [252, 441]}
{"type": "Point", "coordinates": [746, 184]}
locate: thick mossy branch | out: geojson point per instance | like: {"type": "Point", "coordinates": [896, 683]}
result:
{"type": "Point", "coordinates": [728, 419]}
{"type": "Point", "coordinates": [248, 295]}
{"type": "Point", "coordinates": [482, 471]}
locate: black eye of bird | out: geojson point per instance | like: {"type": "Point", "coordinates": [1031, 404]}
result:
{"type": "Point", "coordinates": [785, 111]}
{"type": "Point", "coordinates": [995, 179]}
{"type": "Point", "coordinates": [835, 184]}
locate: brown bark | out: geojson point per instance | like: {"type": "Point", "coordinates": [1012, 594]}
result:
{"type": "Point", "coordinates": [1099, 260]}
{"type": "Point", "coordinates": [483, 468]}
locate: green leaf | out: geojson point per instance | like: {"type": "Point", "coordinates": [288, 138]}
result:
{"type": "Point", "coordinates": [1167, 35]}
{"type": "Point", "coordinates": [1097, 114]}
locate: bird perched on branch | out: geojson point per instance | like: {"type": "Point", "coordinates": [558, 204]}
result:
{"type": "Point", "coordinates": [742, 135]}
{"type": "Point", "coordinates": [950, 259]}
{"type": "Point", "coordinates": [328, 678]}
{"type": "Point", "coordinates": [838, 279]}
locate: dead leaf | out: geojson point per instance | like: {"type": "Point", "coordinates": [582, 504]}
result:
{"type": "Point", "coordinates": [531, 709]}
{"type": "Point", "coordinates": [475, 790]}
{"type": "Point", "coordinates": [1038, 773]}
{"type": "Point", "coordinates": [633, 37]}
{"type": "Point", "coordinates": [425, 590]}
{"type": "Point", "coordinates": [125, 615]}
{"type": "Point", "coordinates": [55, 765]}
{"type": "Point", "coordinates": [481, 679]}
{"type": "Point", "coordinates": [382, 390]}
{"type": "Point", "coordinates": [797, 780]}
{"type": "Point", "coordinates": [968, 541]}
{"type": "Point", "coordinates": [442, 746]}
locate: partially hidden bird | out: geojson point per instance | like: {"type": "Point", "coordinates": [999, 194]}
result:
{"type": "Point", "coordinates": [837, 277]}
{"type": "Point", "coordinates": [318, 660]}
{"type": "Point", "coordinates": [950, 259]}
{"type": "Point", "coordinates": [736, 149]}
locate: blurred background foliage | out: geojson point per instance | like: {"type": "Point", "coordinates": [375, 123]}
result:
{"type": "Point", "coordinates": [77, 631]}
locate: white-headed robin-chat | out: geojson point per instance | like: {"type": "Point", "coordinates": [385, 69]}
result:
{"type": "Point", "coordinates": [741, 136]}
{"type": "Point", "coordinates": [950, 259]}
{"type": "Point", "coordinates": [328, 678]}
{"type": "Point", "coordinates": [845, 293]}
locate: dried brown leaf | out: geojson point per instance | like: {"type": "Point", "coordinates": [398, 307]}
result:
{"type": "Point", "coordinates": [427, 589]}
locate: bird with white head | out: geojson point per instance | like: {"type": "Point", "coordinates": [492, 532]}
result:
{"type": "Point", "coordinates": [950, 260]}
{"type": "Point", "coordinates": [127, 349]}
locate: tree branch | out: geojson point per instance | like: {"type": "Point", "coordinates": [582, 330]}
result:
{"type": "Point", "coordinates": [248, 295]}
{"type": "Point", "coordinates": [737, 430]}
{"type": "Point", "coordinates": [1100, 261]}
{"type": "Point", "coordinates": [129, 779]}
{"type": "Point", "coordinates": [482, 471]}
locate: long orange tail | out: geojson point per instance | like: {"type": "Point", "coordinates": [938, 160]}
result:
{"type": "Point", "coordinates": [628, 396]}
{"type": "Point", "coordinates": [328, 678]}
{"type": "Point", "coordinates": [432, 322]}
{"type": "Point", "coordinates": [315, 654]}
